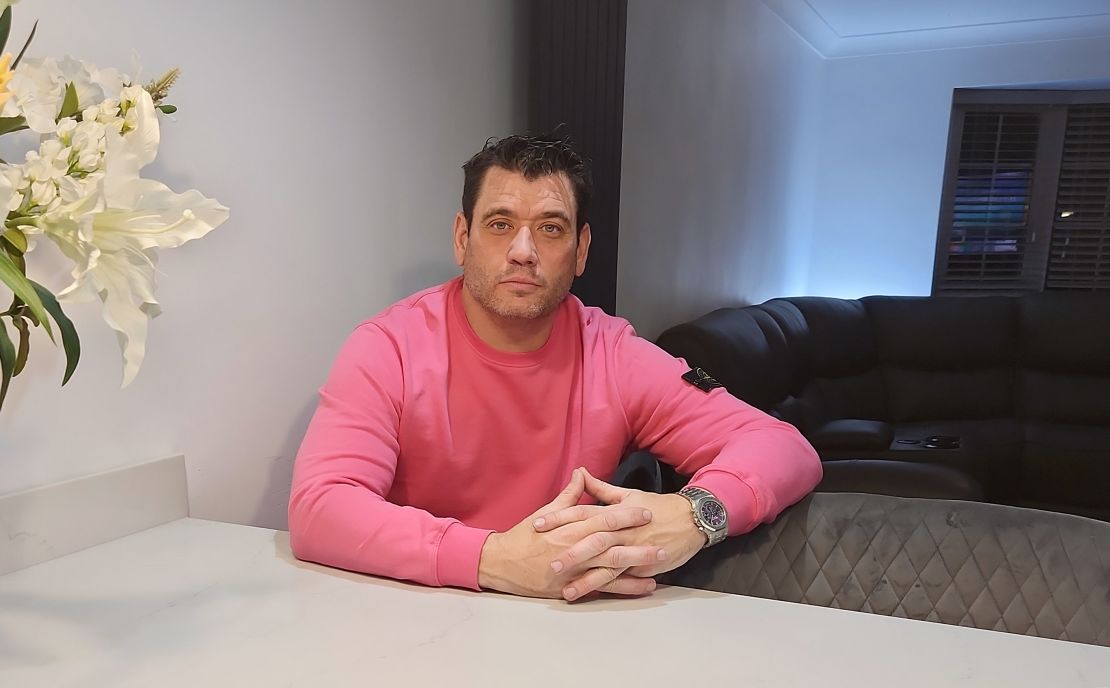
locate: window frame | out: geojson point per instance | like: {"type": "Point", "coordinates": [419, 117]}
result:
{"type": "Point", "coordinates": [1051, 108]}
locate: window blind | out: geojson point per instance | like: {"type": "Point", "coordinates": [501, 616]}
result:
{"type": "Point", "coordinates": [988, 220]}
{"type": "Point", "coordinates": [1079, 257]}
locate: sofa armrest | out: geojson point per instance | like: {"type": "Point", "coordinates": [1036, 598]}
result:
{"type": "Point", "coordinates": [899, 479]}
{"type": "Point", "coordinates": [853, 433]}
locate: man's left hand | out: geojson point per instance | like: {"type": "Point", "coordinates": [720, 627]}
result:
{"type": "Point", "coordinates": [671, 528]}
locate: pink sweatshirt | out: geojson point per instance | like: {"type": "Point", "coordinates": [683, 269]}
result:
{"type": "Point", "coordinates": [426, 439]}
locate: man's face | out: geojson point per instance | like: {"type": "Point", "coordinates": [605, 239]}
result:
{"type": "Point", "coordinates": [521, 252]}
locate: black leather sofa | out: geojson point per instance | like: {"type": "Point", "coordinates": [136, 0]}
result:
{"type": "Point", "coordinates": [1013, 391]}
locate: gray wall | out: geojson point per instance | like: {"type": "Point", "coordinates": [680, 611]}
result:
{"type": "Point", "coordinates": [334, 132]}
{"type": "Point", "coordinates": [722, 107]}
{"type": "Point", "coordinates": [754, 168]}
{"type": "Point", "coordinates": [883, 142]}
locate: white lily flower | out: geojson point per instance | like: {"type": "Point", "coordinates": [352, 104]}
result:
{"type": "Point", "coordinates": [110, 224]}
{"type": "Point", "coordinates": [15, 180]}
{"type": "Point", "coordinates": [36, 94]}
{"type": "Point", "coordinates": [38, 87]}
{"type": "Point", "coordinates": [9, 196]}
{"type": "Point", "coordinates": [142, 133]}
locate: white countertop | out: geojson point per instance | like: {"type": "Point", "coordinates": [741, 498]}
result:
{"type": "Point", "coordinates": [199, 603]}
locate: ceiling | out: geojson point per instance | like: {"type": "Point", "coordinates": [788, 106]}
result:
{"type": "Point", "coordinates": [852, 28]}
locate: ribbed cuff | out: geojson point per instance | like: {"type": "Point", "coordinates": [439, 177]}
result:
{"type": "Point", "coordinates": [457, 558]}
{"type": "Point", "coordinates": [737, 497]}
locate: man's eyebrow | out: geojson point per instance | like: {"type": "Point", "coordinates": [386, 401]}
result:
{"type": "Point", "coordinates": [557, 214]}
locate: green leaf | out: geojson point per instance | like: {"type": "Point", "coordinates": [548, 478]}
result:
{"type": "Point", "coordinates": [69, 103]}
{"type": "Point", "coordinates": [25, 45]}
{"type": "Point", "coordinates": [7, 361]}
{"type": "Point", "coordinates": [24, 344]}
{"type": "Point", "coordinates": [24, 289]}
{"type": "Point", "coordinates": [10, 124]}
{"type": "Point", "coordinates": [70, 342]}
{"type": "Point", "coordinates": [5, 26]}
{"type": "Point", "coordinates": [17, 239]}
{"type": "Point", "coordinates": [168, 109]}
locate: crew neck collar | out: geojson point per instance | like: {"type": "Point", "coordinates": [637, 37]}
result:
{"type": "Point", "coordinates": [508, 358]}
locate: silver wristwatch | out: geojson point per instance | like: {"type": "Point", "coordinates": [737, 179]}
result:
{"type": "Point", "coordinates": [709, 514]}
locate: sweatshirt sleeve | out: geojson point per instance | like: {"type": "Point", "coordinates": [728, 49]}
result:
{"type": "Point", "coordinates": [756, 465]}
{"type": "Point", "coordinates": [338, 512]}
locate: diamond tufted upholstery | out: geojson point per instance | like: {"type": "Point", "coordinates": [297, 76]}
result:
{"type": "Point", "coordinates": [965, 563]}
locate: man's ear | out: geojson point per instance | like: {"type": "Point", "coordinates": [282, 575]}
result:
{"type": "Point", "coordinates": [583, 250]}
{"type": "Point", "coordinates": [460, 235]}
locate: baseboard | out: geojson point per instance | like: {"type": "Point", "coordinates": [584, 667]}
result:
{"type": "Point", "coordinates": [52, 521]}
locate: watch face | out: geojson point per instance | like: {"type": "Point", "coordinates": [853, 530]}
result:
{"type": "Point", "coordinates": [713, 513]}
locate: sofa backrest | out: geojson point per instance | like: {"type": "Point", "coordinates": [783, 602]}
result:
{"type": "Point", "coordinates": [1064, 358]}
{"type": "Point", "coordinates": [1063, 397]}
{"type": "Point", "coordinates": [904, 359]}
{"type": "Point", "coordinates": [946, 357]}
{"type": "Point", "coordinates": [743, 348]}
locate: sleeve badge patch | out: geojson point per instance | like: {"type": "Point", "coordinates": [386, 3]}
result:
{"type": "Point", "coordinates": [701, 379]}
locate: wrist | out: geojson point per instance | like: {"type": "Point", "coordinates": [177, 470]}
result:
{"type": "Point", "coordinates": [489, 563]}
{"type": "Point", "coordinates": [692, 535]}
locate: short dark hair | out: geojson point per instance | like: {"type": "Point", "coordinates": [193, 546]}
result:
{"type": "Point", "coordinates": [533, 157]}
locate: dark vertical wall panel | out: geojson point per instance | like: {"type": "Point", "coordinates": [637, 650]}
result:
{"type": "Point", "coordinates": [576, 79]}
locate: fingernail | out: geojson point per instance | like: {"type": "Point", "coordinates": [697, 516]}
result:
{"type": "Point", "coordinates": [647, 515]}
{"type": "Point", "coordinates": [570, 593]}
{"type": "Point", "coordinates": [651, 584]}
{"type": "Point", "coordinates": [661, 555]}
{"type": "Point", "coordinates": [538, 523]}
{"type": "Point", "coordinates": [557, 566]}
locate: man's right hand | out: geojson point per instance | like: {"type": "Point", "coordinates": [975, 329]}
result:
{"type": "Point", "coordinates": [518, 561]}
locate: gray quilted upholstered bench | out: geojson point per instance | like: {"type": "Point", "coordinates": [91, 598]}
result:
{"type": "Point", "coordinates": [965, 563]}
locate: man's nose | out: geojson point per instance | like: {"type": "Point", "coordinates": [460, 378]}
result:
{"type": "Point", "coordinates": [523, 250]}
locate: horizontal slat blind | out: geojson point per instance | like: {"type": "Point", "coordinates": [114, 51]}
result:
{"type": "Point", "coordinates": [988, 227]}
{"type": "Point", "coordinates": [1079, 258]}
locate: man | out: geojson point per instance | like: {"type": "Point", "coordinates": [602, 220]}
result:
{"type": "Point", "coordinates": [450, 421]}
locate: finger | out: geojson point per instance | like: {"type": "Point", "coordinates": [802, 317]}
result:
{"type": "Point", "coordinates": [592, 580]}
{"type": "Point", "coordinates": [598, 535]}
{"type": "Point", "coordinates": [554, 519]}
{"type": "Point", "coordinates": [569, 496]}
{"type": "Point", "coordinates": [633, 558]}
{"type": "Point", "coordinates": [603, 491]}
{"type": "Point", "coordinates": [629, 585]}
{"type": "Point", "coordinates": [607, 580]}
{"type": "Point", "coordinates": [612, 519]}
{"type": "Point", "coordinates": [654, 569]}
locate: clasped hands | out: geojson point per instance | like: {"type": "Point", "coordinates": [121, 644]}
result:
{"type": "Point", "coordinates": [569, 550]}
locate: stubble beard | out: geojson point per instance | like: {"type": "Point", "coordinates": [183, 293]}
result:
{"type": "Point", "coordinates": [483, 287]}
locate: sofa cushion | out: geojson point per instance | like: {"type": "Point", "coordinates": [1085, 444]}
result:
{"type": "Point", "coordinates": [944, 333]}
{"type": "Point", "coordinates": [742, 348]}
{"type": "Point", "coordinates": [852, 433]}
{"type": "Point", "coordinates": [840, 339]}
{"type": "Point", "coordinates": [1064, 397]}
{"type": "Point", "coordinates": [795, 332]}
{"type": "Point", "coordinates": [1065, 332]}
{"type": "Point", "coordinates": [1068, 464]}
{"type": "Point", "coordinates": [861, 395]}
{"type": "Point", "coordinates": [916, 394]}
{"type": "Point", "coordinates": [898, 479]}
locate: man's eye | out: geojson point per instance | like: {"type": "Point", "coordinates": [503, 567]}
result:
{"type": "Point", "coordinates": [551, 229]}
{"type": "Point", "coordinates": [500, 226]}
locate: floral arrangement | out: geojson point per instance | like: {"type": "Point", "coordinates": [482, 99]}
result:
{"type": "Point", "coordinates": [82, 190]}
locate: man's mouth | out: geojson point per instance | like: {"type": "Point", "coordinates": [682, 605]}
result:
{"type": "Point", "coordinates": [519, 281]}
